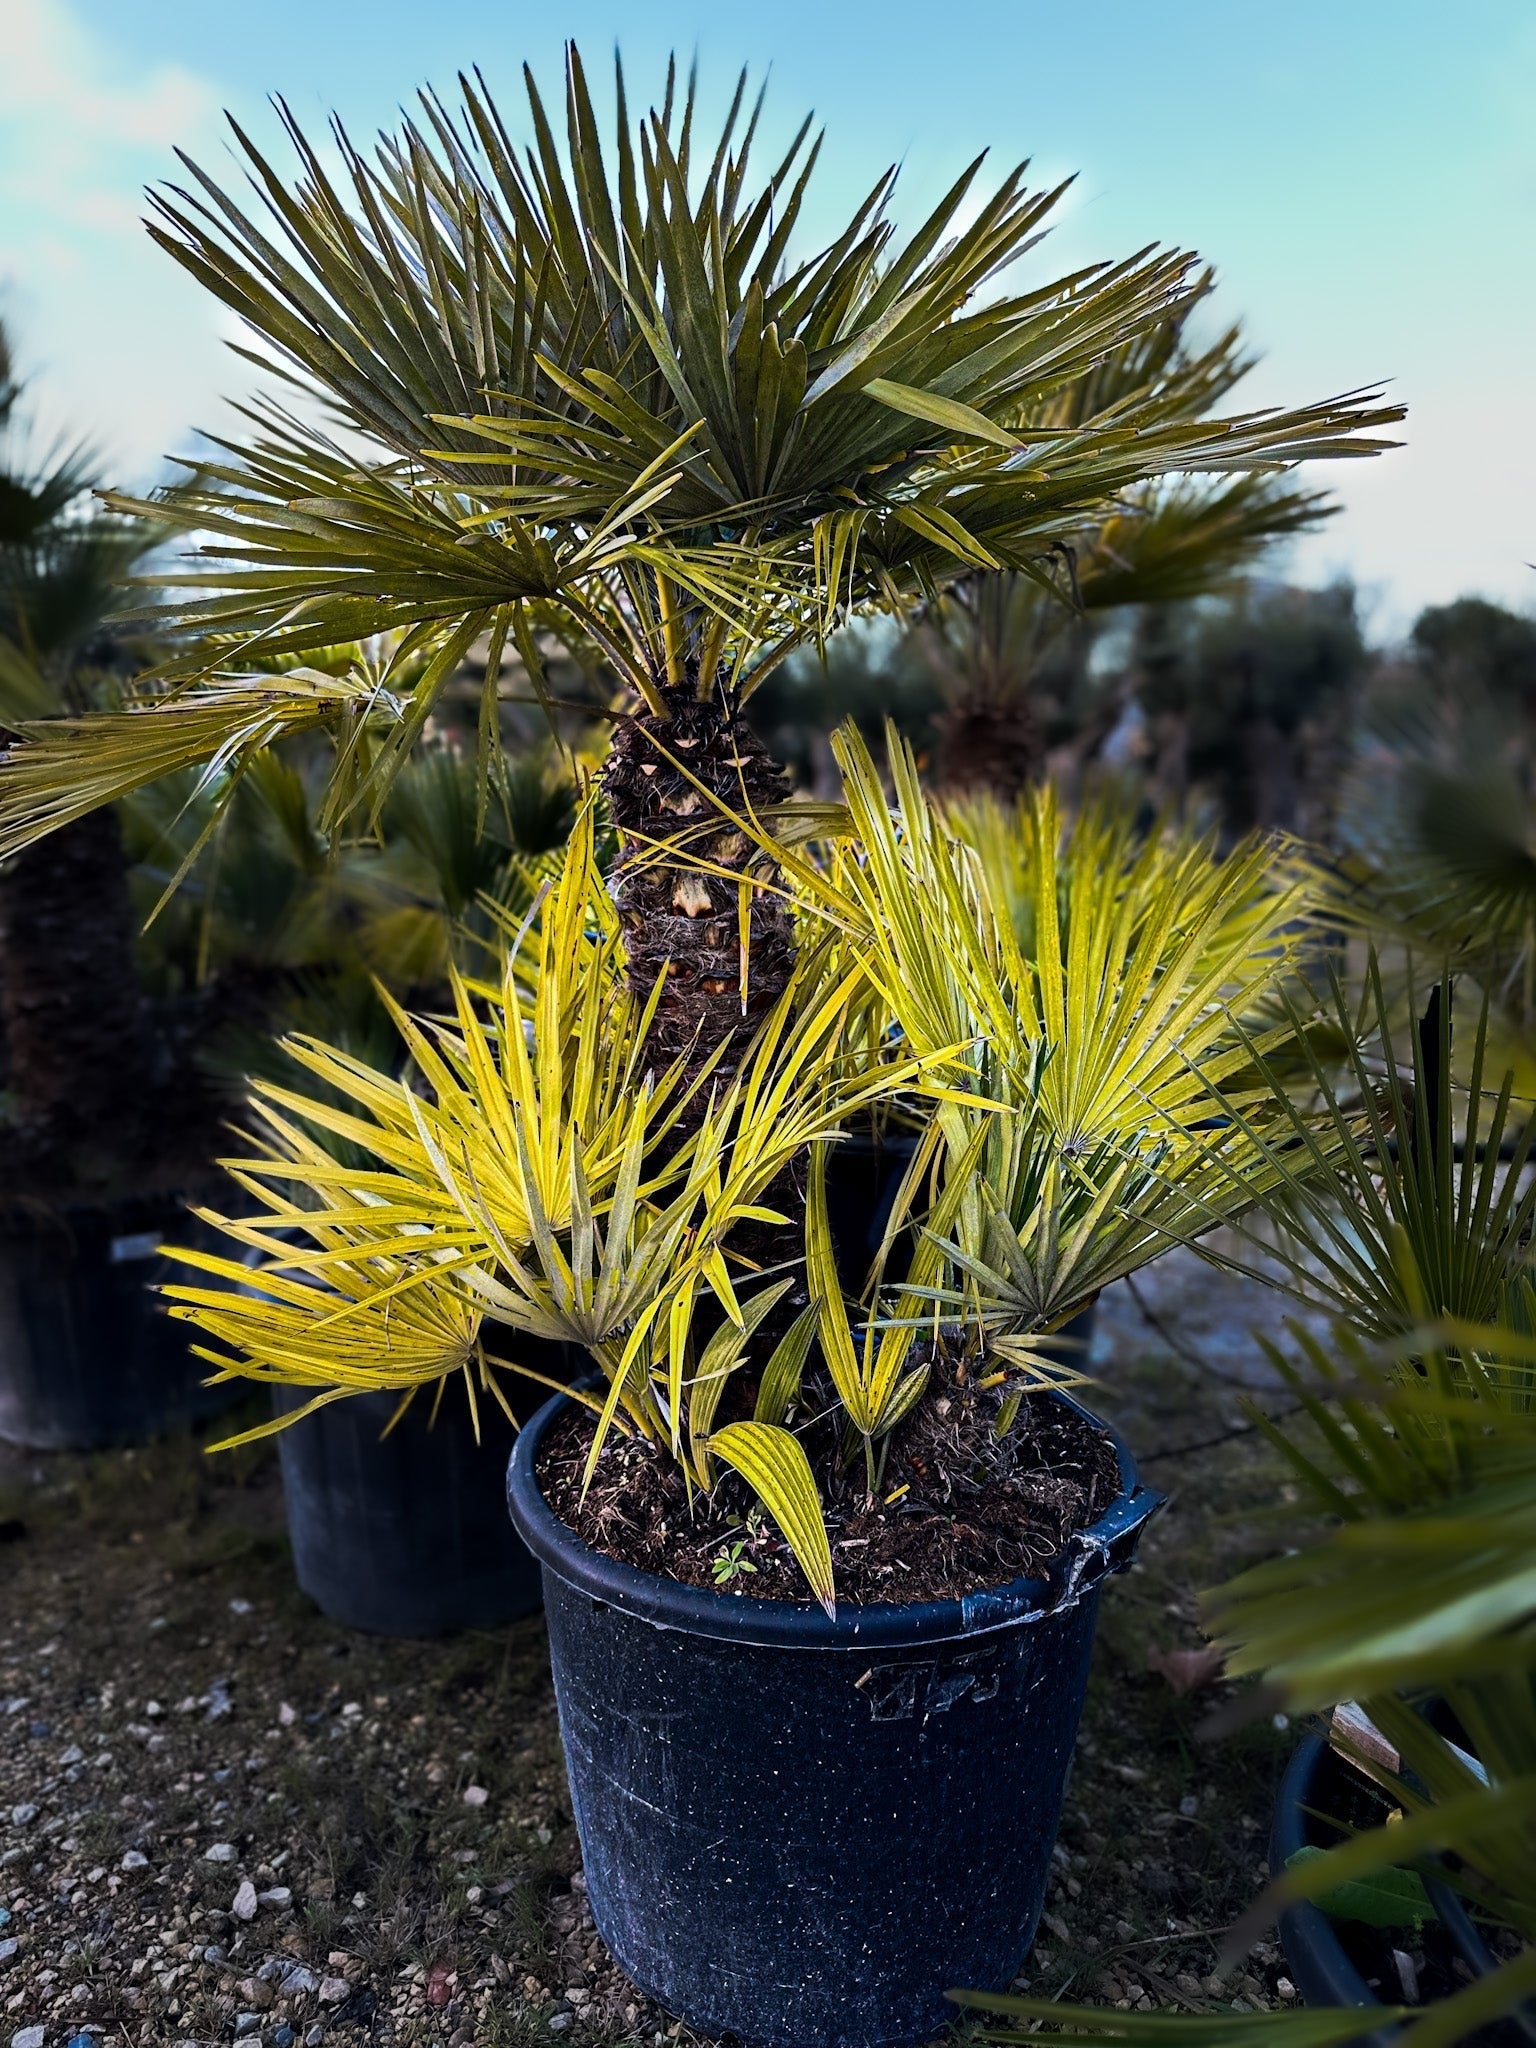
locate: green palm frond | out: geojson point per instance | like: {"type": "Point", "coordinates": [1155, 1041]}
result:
{"type": "Point", "coordinates": [69, 766]}
{"type": "Point", "coordinates": [1183, 539]}
{"type": "Point", "coordinates": [1427, 1581]}
{"type": "Point", "coordinates": [1424, 1455]}
{"type": "Point", "coordinates": [1440, 855]}
{"type": "Point", "coordinates": [596, 377]}
{"type": "Point", "coordinates": [1415, 1205]}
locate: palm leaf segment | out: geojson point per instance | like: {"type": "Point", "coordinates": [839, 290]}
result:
{"type": "Point", "coordinates": [598, 377]}
{"type": "Point", "coordinates": [1094, 983]}
{"type": "Point", "coordinates": [533, 1173]}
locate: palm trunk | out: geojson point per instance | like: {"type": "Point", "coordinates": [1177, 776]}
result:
{"type": "Point", "coordinates": [722, 979]}
{"type": "Point", "coordinates": [76, 1037]}
{"type": "Point", "coordinates": [989, 744]}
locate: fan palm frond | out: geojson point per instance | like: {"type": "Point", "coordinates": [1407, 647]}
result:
{"type": "Point", "coordinates": [596, 375]}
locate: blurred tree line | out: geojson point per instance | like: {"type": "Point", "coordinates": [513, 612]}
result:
{"type": "Point", "coordinates": [1263, 707]}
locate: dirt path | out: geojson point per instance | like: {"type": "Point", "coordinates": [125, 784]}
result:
{"type": "Point", "coordinates": [222, 1817]}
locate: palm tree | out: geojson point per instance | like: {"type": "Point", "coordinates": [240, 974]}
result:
{"type": "Point", "coordinates": [992, 637]}
{"type": "Point", "coordinates": [594, 390]}
{"type": "Point", "coordinates": [76, 1039]}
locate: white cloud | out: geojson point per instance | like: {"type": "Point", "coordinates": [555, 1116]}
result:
{"type": "Point", "coordinates": [118, 345]}
{"type": "Point", "coordinates": [51, 66]}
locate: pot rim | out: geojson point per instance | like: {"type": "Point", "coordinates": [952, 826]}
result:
{"type": "Point", "coordinates": [1105, 1545]}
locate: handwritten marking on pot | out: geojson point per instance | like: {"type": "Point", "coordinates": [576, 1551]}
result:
{"type": "Point", "coordinates": [897, 1692]}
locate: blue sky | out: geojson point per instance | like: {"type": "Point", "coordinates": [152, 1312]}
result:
{"type": "Point", "coordinates": [1362, 173]}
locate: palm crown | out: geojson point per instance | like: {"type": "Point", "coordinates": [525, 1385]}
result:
{"type": "Point", "coordinates": [597, 389]}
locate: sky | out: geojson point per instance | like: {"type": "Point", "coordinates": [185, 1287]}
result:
{"type": "Point", "coordinates": [1362, 174]}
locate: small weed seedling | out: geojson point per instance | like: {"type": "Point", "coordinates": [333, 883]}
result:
{"type": "Point", "coordinates": [729, 1561]}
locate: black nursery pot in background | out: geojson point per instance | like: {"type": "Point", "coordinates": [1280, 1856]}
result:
{"type": "Point", "coordinates": [88, 1356]}
{"type": "Point", "coordinates": [864, 1172]}
{"type": "Point", "coordinates": [799, 1829]}
{"type": "Point", "coordinates": [1315, 1956]}
{"type": "Point", "coordinates": [407, 1534]}
{"type": "Point", "coordinates": [1310, 1810]}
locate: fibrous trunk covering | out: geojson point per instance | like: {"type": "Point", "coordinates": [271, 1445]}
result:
{"type": "Point", "coordinates": [989, 744]}
{"type": "Point", "coordinates": [724, 971]}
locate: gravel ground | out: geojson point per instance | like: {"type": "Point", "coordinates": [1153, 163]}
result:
{"type": "Point", "coordinates": [223, 1818]}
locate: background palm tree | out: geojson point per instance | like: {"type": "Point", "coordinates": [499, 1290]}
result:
{"type": "Point", "coordinates": [600, 389]}
{"type": "Point", "coordinates": [991, 638]}
{"type": "Point", "coordinates": [77, 1045]}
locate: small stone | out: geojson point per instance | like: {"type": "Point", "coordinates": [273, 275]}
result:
{"type": "Point", "coordinates": [27, 2037]}
{"type": "Point", "coordinates": [1189, 1806]}
{"type": "Point", "coordinates": [558, 2022]}
{"type": "Point", "coordinates": [333, 1990]}
{"type": "Point", "coordinates": [239, 1606]}
{"type": "Point", "coordinates": [153, 1710]}
{"type": "Point", "coordinates": [475, 1795]}
{"type": "Point", "coordinates": [315, 2036]}
{"type": "Point", "coordinates": [278, 1895]}
{"type": "Point", "coordinates": [73, 1755]}
{"type": "Point", "coordinates": [80, 2041]}
{"type": "Point", "coordinates": [283, 2037]}
{"type": "Point", "coordinates": [247, 2023]}
{"type": "Point", "coordinates": [298, 1979]}
{"type": "Point", "coordinates": [1285, 1989]}
{"type": "Point", "coordinates": [8, 1948]}
{"type": "Point", "coordinates": [243, 1905]}
{"type": "Point", "coordinates": [23, 1814]}
{"type": "Point", "coordinates": [213, 1953]}
{"type": "Point", "coordinates": [134, 1859]}
{"type": "Point", "coordinates": [286, 1716]}
{"type": "Point", "coordinates": [221, 1852]}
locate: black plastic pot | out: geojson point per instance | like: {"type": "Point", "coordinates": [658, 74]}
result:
{"type": "Point", "coordinates": [801, 1829]}
{"type": "Point", "coordinates": [863, 1175]}
{"type": "Point", "coordinates": [407, 1534]}
{"type": "Point", "coordinates": [1319, 1963]}
{"type": "Point", "coordinates": [88, 1356]}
